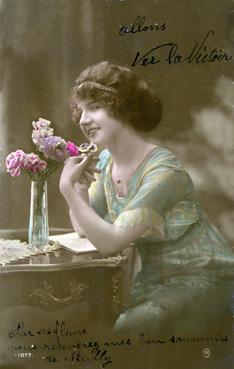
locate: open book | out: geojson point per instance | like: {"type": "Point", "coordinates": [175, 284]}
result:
{"type": "Point", "coordinates": [74, 243]}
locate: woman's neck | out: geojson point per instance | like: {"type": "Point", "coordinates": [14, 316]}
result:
{"type": "Point", "coordinates": [129, 149]}
{"type": "Point", "coordinates": [128, 152]}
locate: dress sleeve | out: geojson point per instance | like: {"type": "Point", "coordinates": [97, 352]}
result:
{"type": "Point", "coordinates": [162, 185]}
{"type": "Point", "coordinates": [97, 197]}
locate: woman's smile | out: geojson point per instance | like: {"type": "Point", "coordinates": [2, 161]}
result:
{"type": "Point", "coordinates": [92, 131]}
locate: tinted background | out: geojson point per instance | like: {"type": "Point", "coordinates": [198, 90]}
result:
{"type": "Point", "coordinates": [46, 43]}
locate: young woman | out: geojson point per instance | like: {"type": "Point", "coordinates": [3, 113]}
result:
{"type": "Point", "coordinates": [140, 194]}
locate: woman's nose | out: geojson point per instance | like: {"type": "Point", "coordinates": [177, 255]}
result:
{"type": "Point", "coordinates": [85, 118]}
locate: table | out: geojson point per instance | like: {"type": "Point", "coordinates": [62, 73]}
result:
{"type": "Point", "coordinates": [56, 298]}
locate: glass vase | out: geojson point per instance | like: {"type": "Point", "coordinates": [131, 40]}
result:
{"type": "Point", "coordinates": [38, 232]}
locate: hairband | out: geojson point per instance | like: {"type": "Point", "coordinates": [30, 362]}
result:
{"type": "Point", "coordinates": [98, 85]}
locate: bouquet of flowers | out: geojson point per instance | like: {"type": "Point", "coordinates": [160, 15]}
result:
{"type": "Point", "coordinates": [50, 151]}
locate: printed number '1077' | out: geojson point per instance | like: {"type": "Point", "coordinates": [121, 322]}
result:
{"type": "Point", "coordinates": [23, 354]}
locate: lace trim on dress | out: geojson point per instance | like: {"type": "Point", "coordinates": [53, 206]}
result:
{"type": "Point", "coordinates": [143, 216]}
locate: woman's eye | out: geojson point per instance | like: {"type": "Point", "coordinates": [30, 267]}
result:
{"type": "Point", "coordinates": [94, 107]}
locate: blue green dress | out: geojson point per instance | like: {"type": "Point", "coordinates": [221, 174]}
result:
{"type": "Point", "coordinates": [186, 264]}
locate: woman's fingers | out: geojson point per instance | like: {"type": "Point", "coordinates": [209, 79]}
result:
{"type": "Point", "coordinates": [82, 159]}
{"type": "Point", "coordinates": [85, 181]}
{"type": "Point", "coordinates": [81, 169]}
{"type": "Point", "coordinates": [87, 160]}
{"type": "Point", "coordinates": [92, 170]}
{"type": "Point", "coordinates": [89, 177]}
{"type": "Point", "coordinates": [90, 165]}
{"type": "Point", "coordinates": [74, 159]}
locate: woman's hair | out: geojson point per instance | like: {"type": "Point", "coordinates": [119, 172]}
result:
{"type": "Point", "coordinates": [121, 92]}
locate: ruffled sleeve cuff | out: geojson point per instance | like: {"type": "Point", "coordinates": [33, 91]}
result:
{"type": "Point", "coordinates": [143, 216]}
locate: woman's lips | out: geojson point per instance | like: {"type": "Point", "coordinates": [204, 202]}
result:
{"type": "Point", "coordinates": [91, 131]}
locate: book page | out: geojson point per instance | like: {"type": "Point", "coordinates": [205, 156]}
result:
{"type": "Point", "coordinates": [73, 243]}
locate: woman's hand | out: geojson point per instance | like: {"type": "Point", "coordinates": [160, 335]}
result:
{"type": "Point", "coordinates": [78, 172]}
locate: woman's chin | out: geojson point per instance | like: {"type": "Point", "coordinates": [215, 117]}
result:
{"type": "Point", "coordinates": [95, 140]}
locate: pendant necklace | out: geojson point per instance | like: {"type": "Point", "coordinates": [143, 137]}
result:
{"type": "Point", "coordinates": [118, 181]}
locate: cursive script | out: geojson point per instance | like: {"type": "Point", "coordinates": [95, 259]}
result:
{"type": "Point", "coordinates": [79, 350]}
{"type": "Point", "coordinates": [59, 330]}
{"type": "Point", "coordinates": [208, 338]}
{"type": "Point", "coordinates": [139, 25]}
{"type": "Point", "coordinates": [199, 54]}
{"type": "Point", "coordinates": [96, 354]}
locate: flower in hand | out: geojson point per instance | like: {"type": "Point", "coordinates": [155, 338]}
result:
{"type": "Point", "coordinates": [72, 149]}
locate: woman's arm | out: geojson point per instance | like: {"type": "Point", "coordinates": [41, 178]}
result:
{"type": "Point", "coordinates": [89, 172]}
{"type": "Point", "coordinates": [107, 238]}
{"type": "Point", "coordinates": [76, 226]}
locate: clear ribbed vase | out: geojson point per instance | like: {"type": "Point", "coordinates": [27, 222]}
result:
{"type": "Point", "coordinates": [38, 232]}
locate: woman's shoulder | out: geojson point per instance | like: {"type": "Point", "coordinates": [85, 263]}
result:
{"type": "Point", "coordinates": [164, 164]}
{"type": "Point", "coordinates": [161, 156]}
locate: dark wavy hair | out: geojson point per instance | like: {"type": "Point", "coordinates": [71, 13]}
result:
{"type": "Point", "coordinates": [121, 92]}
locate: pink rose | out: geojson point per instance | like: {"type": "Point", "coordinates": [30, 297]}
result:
{"type": "Point", "coordinates": [72, 149]}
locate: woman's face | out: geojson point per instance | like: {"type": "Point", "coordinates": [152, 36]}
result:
{"type": "Point", "coordinates": [97, 124]}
